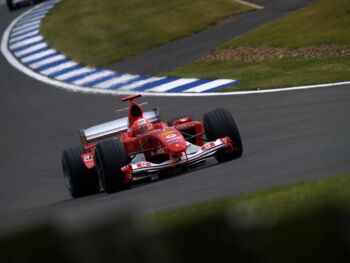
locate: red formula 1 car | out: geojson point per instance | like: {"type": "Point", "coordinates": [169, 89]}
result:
{"type": "Point", "coordinates": [115, 154]}
{"type": "Point", "coordinates": [15, 4]}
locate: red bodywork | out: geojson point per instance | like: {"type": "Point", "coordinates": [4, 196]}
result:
{"type": "Point", "coordinates": [163, 143]}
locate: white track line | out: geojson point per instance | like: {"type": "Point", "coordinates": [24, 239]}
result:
{"type": "Point", "coordinates": [58, 68]}
{"type": "Point", "coordinates": [74, 88]}
{"type": "Point", "coordinates": [139, 83]}
{"type": "Point", "coordinates": [26, 26]}
{"type": "Point", "coordinates": [171, 85]}
{"type": "Point", "coordinates": [35, 14]}
{"type": "Point", "coordinates": [30, 49]}
{"type": "Point", "coordinates": [27, 30]}
{"type": "Point", "coordinates": [31, 20]}
{"type": "Point", "coordinates": [26, 42]}
{"type": "Point", "coordinates": [38, 55]}
{"type": "Point", "coordinates": [117, 80]}
{"type": "Point", "coordinates": [47, 61]}
{"type": "Point", "coordinates": [33, 33]}
{"type": "Point", "coordinates": [73, 73]}
{"type": "Point", "coordinates": [210, 85]}
{"type": "Point", "coordinates": [93, 77]}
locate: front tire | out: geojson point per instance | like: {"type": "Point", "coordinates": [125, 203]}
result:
{"type": "Point", "coordinates": [80, 180]}
{"type": "Point", "coordinates": [110, 158]}
{"type": "Point", "coordinates": [219, 123]}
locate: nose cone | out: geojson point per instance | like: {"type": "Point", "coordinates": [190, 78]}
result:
{"type": "Point", "coordinates": [177, 147]}
{"type": "Point", "coordinates": [173, 140]}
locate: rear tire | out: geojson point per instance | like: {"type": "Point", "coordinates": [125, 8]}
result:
{"type": "Point", "coordinates": [80, 180]}
{"type": "Point", "coordinates": [219, 123]}
{"type": "Point", "coordinates": [110, 158]}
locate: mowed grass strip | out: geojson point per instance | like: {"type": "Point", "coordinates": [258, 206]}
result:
{"type": "Point", "coordinates": [322, 23]}
{"type": "Point", "coordinates": [299, 50]}
{"type": "Point", "coordinates": [280, 73]}
{"type": "Point", "coordinates": [102, 32]}
{"type": "Point", "coordinates": [270, 206]}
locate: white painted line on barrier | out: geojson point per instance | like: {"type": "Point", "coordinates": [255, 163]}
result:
{"type": "Point", "coordinates": [36, 14]}
{"type": "Point", "coordinates": [140, 83]}
{"type": "Point", "coordinates": [38, 55]}
{"type": "Point", "coordinates": [74, 73]}
{"type": "Point", "coordinates": [26, 42]}
{"type": "Point", "coordinates": [171, 85]}
{"type": "Point", "coordinates": [47, 61]}
{"type": "Point", "coordinates": [33, 15]}
{"type": "Point", "coordinates": [26, 26]}
{"type": "Point", "coordinates": [39, 10]}
{"type": "Point", "coordinates": [33, 33]}
{"type": "Point", "coordinates": [93, 77]}
{"type": "Point", "coordinates": [58, 68]}
{"type": "Point", "coordinates": [31, 20]}
{"type": "Point", "coordinates": [30, 49]}
{"type": "Point", "coordinates": [117, 80]}
{"type": "Point", "coordinates": [27, 30]}
{"type": "Point", "coordinates": [210, 85]}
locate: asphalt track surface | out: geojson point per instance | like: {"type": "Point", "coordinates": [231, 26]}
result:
{"type": "Point", "coordinates": [185, 50]}
{"type": "Point", "coordinates": [288, 137]}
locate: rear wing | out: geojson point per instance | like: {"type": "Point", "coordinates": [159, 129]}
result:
{"type": "Point", "coordinates": [113, 128]}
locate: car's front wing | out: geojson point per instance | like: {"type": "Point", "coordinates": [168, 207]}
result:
{"type": "Point", "coordinates": [134, 170]}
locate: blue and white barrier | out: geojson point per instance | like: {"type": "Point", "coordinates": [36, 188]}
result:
{"type": "Point", "coordinates": [30, 49]}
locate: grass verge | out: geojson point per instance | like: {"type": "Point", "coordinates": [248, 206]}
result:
{"type": "Point", "coordinates": [322, 24]}
{"type": "Point", "coordinates": [271, 206]}
{"type": "Point", "coordinates": [271, 74]}
{"type": "Point", "coordinates": [102, 32]}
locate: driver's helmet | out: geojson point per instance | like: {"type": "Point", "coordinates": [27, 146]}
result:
{"type": "Point", "coordinates": [142, 126]}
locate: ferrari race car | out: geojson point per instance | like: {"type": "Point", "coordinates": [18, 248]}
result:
{"type": "Point", "coordinates": [140, 146]}
{"type": "Point", "coordinates": [15, 4]}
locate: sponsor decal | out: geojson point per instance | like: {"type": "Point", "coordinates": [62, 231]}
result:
{"type": "Point", "coordinates": [143, 164]}
{"type": "Point", "coordinates": [126, 167]}
{"type": "Point", "coordinates": [166, 133]}
{"type": "Point", "coordinates": [170, 136]}
{"type": "Point", "coordinates": [208, 146]}
{"type": "Point", "coordinates": [174, 140]}
{"type": "Point", "coordinates": [88, 157]}
{"type": "Point", "coordinates": [141, 122]}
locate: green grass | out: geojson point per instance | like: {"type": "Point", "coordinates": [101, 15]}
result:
{"type": "Point", "coordinates": [322, 23]}
{"type": "Point", "coordinates": [271, 206]}
{"type": "Point", "coordinates": [271, 74]}
{"type": "Point", "coordinates": [102, 32]}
